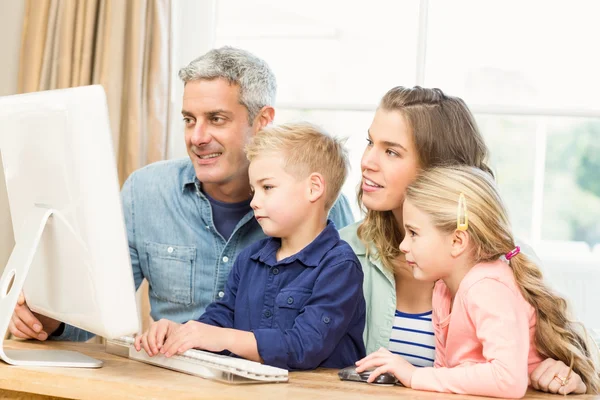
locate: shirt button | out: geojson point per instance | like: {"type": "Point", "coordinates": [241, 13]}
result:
{"type": "Point", "coordinates": [326, 320]}
{"type": "Point", "coordinates": [221, 294]}
{"type": "Point", "coordinates": [275, 271]}
{"type": "Point", "coordinates": [268, 313]}
{"type": "Point", "coordinates": [225, 259]}
{"type": "Point", "coordinates": [170, 250]}
{"type": "Point", "coordinates": [290, 300]}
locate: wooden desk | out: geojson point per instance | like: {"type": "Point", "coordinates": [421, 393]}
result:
{"type": "Point", "coordinates": [121, 378]}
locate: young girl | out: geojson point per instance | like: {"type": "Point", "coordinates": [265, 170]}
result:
{"type": "Point", "coordinates": [493, 316]}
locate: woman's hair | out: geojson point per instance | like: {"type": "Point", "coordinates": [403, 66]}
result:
{"type": "Point", "coordinates": [444, 133]}
{"type": "Point", "coordinates": [436, 192]}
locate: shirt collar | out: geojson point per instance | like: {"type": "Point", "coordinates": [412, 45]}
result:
{"type": "Point", "coordinates": [375, 260]}
{"type": "Point", "coordinates": [378, 263]}
{"type": "Point", "coordinates": [310, 256]}
{"type": "Point", "coordinates": [189, 177]}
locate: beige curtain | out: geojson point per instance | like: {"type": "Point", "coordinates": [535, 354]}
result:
{"type": "Point", "coordinates": [125, 46]}
{"type": "Point", "coordinates": [122, 45]}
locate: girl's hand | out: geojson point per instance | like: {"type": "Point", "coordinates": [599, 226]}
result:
{"type": "Point", "coordinates": [384, 361]}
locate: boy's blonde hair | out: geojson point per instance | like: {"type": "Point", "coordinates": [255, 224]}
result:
{"type": "Point", "coordinates": [306, 149]}
{"type": "Point", "coordinates": [436, 192]}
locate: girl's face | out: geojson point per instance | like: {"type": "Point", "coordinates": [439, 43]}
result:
{"type": "Point", "coordinates": [427, 250]}
{"type": "Point", "coordinates": [389, 163]}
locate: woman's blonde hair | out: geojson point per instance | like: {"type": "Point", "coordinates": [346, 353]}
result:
{"type": "Point", "coordinates": [436, 192]}
{"type": "Point", "coordinates": [444, 133]}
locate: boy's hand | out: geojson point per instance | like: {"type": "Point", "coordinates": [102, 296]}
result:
{"type": "Point", "coordinates": [154, 338]}
{"type": "Point", "coordinates": [385, 361]}
{"type": "Point", "coordinates": [194, 334]}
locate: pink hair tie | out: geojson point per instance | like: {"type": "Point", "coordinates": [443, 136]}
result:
{"type": "Point", "coordinates": [513, 253]}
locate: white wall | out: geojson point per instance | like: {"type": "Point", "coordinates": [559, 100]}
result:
{"type": "Point", "coordinates": [11, 22]}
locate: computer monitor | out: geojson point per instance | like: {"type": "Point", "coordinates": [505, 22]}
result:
{"type": "Point", "coordinates": [70, 256]}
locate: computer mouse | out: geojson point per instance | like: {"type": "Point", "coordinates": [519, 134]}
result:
{"type": "Point", "coordinates": [350, 374]}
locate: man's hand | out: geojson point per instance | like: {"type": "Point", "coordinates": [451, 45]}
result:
{"type": "Point", "coordinates": [25, 324]}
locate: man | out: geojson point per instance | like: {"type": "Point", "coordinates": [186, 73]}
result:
{"type": "Point", "coordinates": [187, 220]}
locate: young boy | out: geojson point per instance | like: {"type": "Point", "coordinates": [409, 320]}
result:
{"type": "Point", "coordinates": [294, 300]}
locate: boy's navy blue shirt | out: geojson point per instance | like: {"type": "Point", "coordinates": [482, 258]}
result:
{"type": "Point", "coordinates": [306, 311]}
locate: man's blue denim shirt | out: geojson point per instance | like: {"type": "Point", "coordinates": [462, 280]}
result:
{"type": "Point", "coordinates": [174, 244]}
{"type": "Point", "coordinates": [306, 311]}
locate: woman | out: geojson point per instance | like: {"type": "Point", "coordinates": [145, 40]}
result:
{"type": "Point", "coordinates": [415, 129]}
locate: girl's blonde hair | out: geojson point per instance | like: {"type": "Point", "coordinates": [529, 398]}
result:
{"type": "Point", "coordinates": [436, 192]}
{"type": "Point", "coordinates": [444, 133]}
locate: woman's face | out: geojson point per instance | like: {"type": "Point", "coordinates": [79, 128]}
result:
{"type": "Point", "coordinates": [389, 163]}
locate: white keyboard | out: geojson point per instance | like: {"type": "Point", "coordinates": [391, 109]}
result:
{"type": "Point", "coordinates": [202, 363]}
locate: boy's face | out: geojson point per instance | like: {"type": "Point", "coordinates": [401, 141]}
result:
{"type": "Point", "coordinates": [280, 200]}
{"type": "Point", "coordinates": [427, 250]}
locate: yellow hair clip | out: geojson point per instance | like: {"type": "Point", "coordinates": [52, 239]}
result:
{"type": "Point", "coordinates": [462, 206]}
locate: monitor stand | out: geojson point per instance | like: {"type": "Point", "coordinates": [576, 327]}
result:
{"type": "Point", "coordinates": [15, 272]}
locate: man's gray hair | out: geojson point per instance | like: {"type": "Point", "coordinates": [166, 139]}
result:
{"type": "Point", "coordinates": [258, 86]}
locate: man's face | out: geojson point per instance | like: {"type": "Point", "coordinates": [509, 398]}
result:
{"type": "Point", "coordinates": [216, 131]}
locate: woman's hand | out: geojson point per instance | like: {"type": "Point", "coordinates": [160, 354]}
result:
{"type": "Point", "coordinates": [550, 375]}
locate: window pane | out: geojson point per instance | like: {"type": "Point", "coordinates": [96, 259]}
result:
{"type": "Point", "coordinates": [572, 182]}
{"type": "Point", "coordinates": [536, 53]}
{"type": "Point", "coordinates": [511, 141]}
{"type": "Point", "coordinates": [322, 54]}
